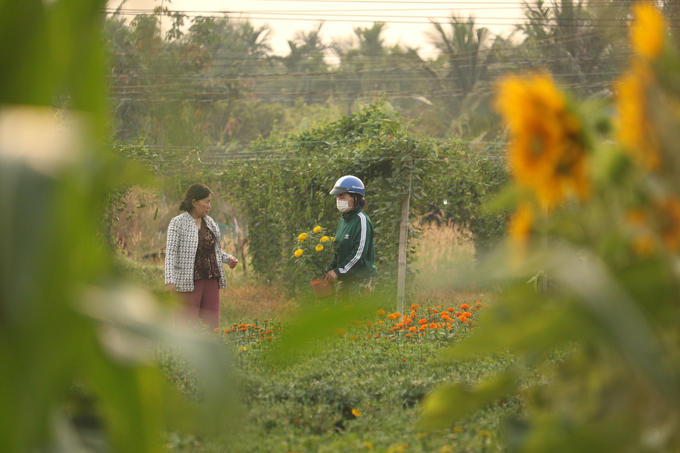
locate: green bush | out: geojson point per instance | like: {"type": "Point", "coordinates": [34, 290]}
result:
{"type": "Point", "coordinates": [284, 189]}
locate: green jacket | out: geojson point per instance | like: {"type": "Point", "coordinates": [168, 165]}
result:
{"type": "Point", "coordinates": [356, 255]}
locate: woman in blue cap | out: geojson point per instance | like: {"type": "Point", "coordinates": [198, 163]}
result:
{"type": "Point", "coordinates": [352, 265]}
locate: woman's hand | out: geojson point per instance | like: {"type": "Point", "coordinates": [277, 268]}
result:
{"type": "Point", "coordinates": [232, 262]}
{"type": "Point", "coordinates": [170, 288]}
{"type": "Point", "coordinates": [331, 276]}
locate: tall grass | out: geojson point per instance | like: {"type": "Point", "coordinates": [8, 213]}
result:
{"type": "Point", "coordinates": [442, 250]}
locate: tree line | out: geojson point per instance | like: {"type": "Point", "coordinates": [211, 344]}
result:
{"type": "Point", "coordinates": [214, 83]}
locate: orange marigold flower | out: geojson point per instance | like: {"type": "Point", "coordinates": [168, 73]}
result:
{"type": "Point", "coordinates": [243, 329]}
{"type": "Point", "coordinates": [340, 332]}
{"type": "Point", "coordinates": [451, 309]}
{"type": "Point", "coordinates": [391, 317]}
{"type": "Point", "coordinates": [467, 314]}
{"type": "Point", "coordinates": [381, 312]}
{"type": "Point", "coordinates": [421, 328]}
{"type": "Point", "coordinates": [400, 325]}
{"type": "Point", "coordinates": [422, 321]}
{"type": "Point", "coordinates": [462, 318]}
{"type": "Point", "coordinates": [398, 315]}
{"type": "Point", "coordinates": [408, 335]}
{"type": "Point", "coordinates": [445, 314]}
{"type": "Point", "coordinates": [412, 329]}
{"type": "Point", "coordinates": [433, 325]}
{"type": "Point", "coordinates": [269, 332]}
{"type": "Point", "coordinates": [380, 322]}
{"type": "Point", "coordinates": [216, 329]}
{"type": "Point", "coordinates": [413, 313]}
{"type": "Point", "coordinates": [395, 328]}
{"type": "Point", "coordinates": [459, 313]}
{"type": "Point", "coordinates": [205, 325]}
{"type": "Point", "coordinates": [414, 306]}
{"type": "Point", "coordinates": [465, 306]}
{"type": "Point", "coordinates": [269, 338]}
{"type": "Point", "coordinates": [478, 304]}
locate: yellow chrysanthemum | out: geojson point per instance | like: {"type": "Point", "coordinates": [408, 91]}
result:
{"type": "Point", "coordinates": [317, 229]}
{"type": "Point", "coordinates": [299, 252]}
{"type": "Point", "coordinates": [547, 154]}
{"type": "Point", "coordinates": [634, 127]}
{"type": "Point", "coordinates": [324, 239]}
{"type": "Point", "coordinates": [648, 32]}
{"type": "Point", "coordinates": [319, 248]}
{"type": "Point", "coordinates": [302, 237]}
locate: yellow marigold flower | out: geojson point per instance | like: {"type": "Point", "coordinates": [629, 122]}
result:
{"type": "Point", "coordinates": [324, 239]}
{"type": "Point", "coordinates": [356, 412]}
{"type": "Point", "coordinates": [547, 154]}
{"type": "Point", "coordinates": [634, 126]}
{"type": "Point", "coordinates": [317, 229]}
{"type": "Point", "coordinates": [381, 312]}
{"type": "Point", "coordinates": [299, 252]}
{"type": "Point", "coordinates": [319, 248]}
{"type": "Point", "coordinates": [332, 239]}
{"type": "Point", "coordinates": [302, 237]}
{"type": "Point", "coordinates": [648, 32]}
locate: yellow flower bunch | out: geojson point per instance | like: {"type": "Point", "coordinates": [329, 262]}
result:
{"type": "Point", "coordinates": [313, 252]}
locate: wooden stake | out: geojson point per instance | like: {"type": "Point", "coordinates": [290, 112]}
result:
{"type": "Point", "coordinates": [403, 244]}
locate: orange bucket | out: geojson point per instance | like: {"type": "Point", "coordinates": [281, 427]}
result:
{"type": "Point", "coordinates": [322, 289]}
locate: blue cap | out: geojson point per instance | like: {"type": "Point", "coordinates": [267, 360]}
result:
{"type": "Point", "coordinates": [349, 184]}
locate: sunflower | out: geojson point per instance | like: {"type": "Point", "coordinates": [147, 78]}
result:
{"type": "Point", "coordinates": [634, 126]}
{"type": "Point", "coordinates": [521, 223]}
{"type": "Point", "coordinates": [648, 32]}
{"type": "Point", "coordinates": [548, 150]}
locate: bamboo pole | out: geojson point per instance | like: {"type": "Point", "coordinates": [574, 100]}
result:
{"type": "Point", "coordinates": [403, 244]}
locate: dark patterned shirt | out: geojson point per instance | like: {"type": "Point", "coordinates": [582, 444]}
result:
{"type": "Point", "coordinates": [205, 266]}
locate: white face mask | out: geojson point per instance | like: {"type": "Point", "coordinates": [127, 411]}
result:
{"type": "Point", "coordinates": [343, 205]}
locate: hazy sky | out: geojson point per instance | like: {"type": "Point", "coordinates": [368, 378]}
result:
{"type": "Point", "coordinates": [407, 22]}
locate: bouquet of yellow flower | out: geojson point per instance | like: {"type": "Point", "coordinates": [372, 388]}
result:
{"type": "Point", "coordinates": [313, 252]}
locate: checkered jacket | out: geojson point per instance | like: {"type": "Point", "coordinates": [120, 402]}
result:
{"type": "Point", "coordinates": [180, 252]}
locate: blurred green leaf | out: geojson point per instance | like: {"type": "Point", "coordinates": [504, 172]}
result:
{"type": "Point", "coordinates": [450, 403]}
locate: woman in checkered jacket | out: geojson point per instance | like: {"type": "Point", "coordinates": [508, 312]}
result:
{"type": "Point", "coordinates": [194, 257]}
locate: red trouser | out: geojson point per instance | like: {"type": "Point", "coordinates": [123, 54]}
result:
{"type": "Point", "coordinates": [203, 303]}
